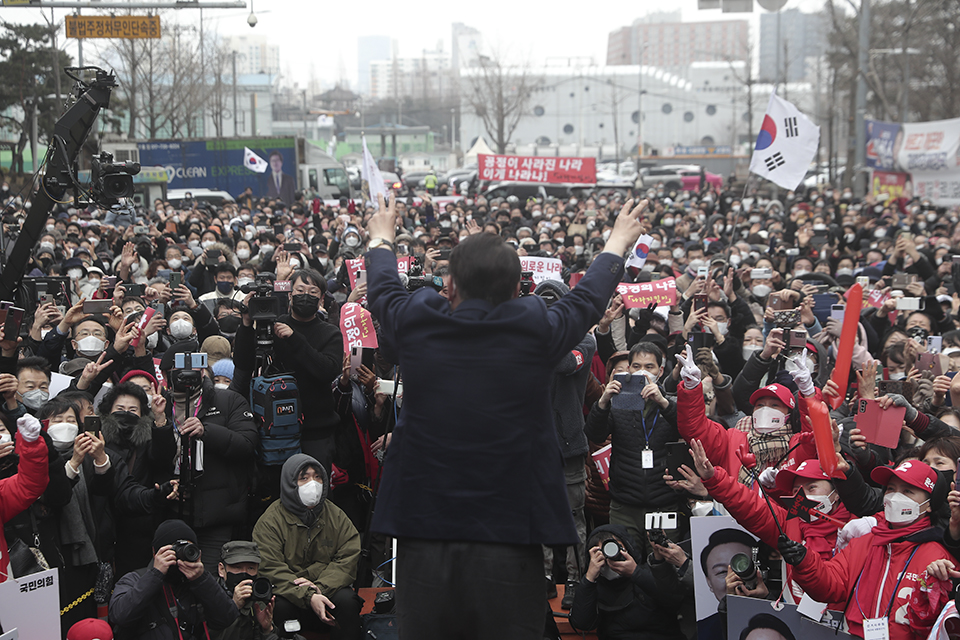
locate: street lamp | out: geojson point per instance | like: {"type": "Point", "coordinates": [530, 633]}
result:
{"type": "Point", "coordinates": [252, 18]}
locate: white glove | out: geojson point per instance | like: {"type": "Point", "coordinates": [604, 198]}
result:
{"type": "Point", "coordinates": [768, 478]}
{"type": "Point", "coordinates": [854, 529]}
{"type": "Point", "coordinates": [689, 371]}
{"type": "Point", "coordinates": [801, 374]}
{"type": "Point", "coordinates": [29, 427]}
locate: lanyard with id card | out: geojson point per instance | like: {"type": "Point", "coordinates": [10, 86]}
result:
{"type": "Point", "coordinates": [879, 628]}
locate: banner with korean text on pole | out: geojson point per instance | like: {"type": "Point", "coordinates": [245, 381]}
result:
{"type": "Point", "coordinates": [642, 294]}
{"type": "Point", "coordinates": [498, 168]}
{"type": "Point", "coordinates": [786, 144]}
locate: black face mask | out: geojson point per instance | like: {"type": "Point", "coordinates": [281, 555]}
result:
{"type": "Point", "coordinates": [233, 579]}
{"type": "Point", "coordinates": [306, 305]}
{"type": "Point", "coordinates": [229, 324]}
{"type": "Point", "coordinates": [126, 419]}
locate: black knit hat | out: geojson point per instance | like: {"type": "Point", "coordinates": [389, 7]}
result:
{"type": "Point", "coordinates": [170, 531]}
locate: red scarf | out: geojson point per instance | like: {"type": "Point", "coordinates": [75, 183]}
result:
{"type": "Point", "coordinates": [820, 536]}
{"type": "Point", "coordinates": [883, 534]}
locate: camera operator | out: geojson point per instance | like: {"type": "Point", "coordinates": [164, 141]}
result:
{"type": "Point", "coordinates": [312, 350]}
{"type": "Point", "coordinates": [217, 429]}
{"type": "Point", "coordinates": [622, 598]}
{"type": "Point", "coordinates": [238, 569]}
{"type": "Point", "coordinates": [173, 598]}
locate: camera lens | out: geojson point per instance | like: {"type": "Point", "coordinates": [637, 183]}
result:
{"type": "Point", "coordinates": [746, 569]}
{"type": "Point", "coordinates": [611, 549]}
{"type": "Point", "coordinates": [187, 551]}
{"type": "Point", "coordinates": [262, 590]}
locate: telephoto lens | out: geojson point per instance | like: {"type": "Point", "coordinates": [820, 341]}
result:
{"type": "Point", "coordinates": [612, 550]}
{"type": "Point", "coordinates": [746, 569]}
{"type": "Point", "coordinates": [262, 590]}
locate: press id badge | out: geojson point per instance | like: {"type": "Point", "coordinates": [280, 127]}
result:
{"type": "Point", "coordinates": [876, 629]}
{"type": "Point", "coordinates": [647, 458]}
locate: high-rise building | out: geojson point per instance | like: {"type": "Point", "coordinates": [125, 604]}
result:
{"type": "Point", "coordinates": [370, 48]}
{"type": "Point", "coordinates": [802, 37]}
{"type": "Point", "coordinates": [254, 54]}
{"type": "Point", "coordinates": [425, 77]}
{"type": "Point", "coordinates": [466, 45]}
{"type": "Point", "coordinates": [667, 42]}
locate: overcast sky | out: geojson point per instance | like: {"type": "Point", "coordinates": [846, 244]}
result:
{"type": "Point", "coordinates": [319, 39]}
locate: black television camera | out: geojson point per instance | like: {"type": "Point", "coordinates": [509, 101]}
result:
{"type": "Point", "coordinates": [111, 180]}
{"type": "Point", "coordinates": [416, 279]}
{"type": "Point", "coordinates": [264, 309]}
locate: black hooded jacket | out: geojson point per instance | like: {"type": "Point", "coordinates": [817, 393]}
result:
{"type": "Point", "coordinates": [643, 606]}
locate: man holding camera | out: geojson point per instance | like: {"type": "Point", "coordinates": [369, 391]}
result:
{"type": "Point", "coordinates": [173, 598]}
{"type": "Point", "coordinates": [253, 595]}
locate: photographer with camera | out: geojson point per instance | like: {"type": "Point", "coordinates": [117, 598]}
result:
{"type": "Point", "coordinates": [216, 444]}
{"type": "Point", "coordinates": [623, 598]}
{"type": "Point", "coordinates": [239, 568]}
{"type": "Point", "coordinates": [173, 598]}
{"type": "Point", "coordinates": [309, 348]}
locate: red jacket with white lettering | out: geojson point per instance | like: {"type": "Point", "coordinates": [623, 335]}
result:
{"type": "Point", "coordinates": [750, 510]}
{"type": "Point", "coordinates": [837, 580]}
{"type": "Point", "coordinates": [21, 490]}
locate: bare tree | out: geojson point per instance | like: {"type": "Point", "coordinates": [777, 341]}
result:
{"type": "Point", "coordinates": [500, 95]}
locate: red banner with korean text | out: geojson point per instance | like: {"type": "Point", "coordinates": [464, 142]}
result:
{"type": "Point", "coordinates": [537, 169]}
{"type": "Point", "coordinates": [641, 294]}
{"type": "Point", "coordinates": [355, 266]}
{"type": "Point", "coordinates": [356, 325]}
{"type": "Point", "coordinates": [601, 458]}
{"type": "Point", "coordinates": [889, 182]}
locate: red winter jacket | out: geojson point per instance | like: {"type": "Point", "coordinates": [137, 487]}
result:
{"type": "Point", "coordinates": [836, 581]}
{"type": "Point", "coordinates": [21, 490]}
{"type": "Point", "coordinates": [750, 510]}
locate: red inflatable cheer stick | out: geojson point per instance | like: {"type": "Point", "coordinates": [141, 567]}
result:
{"type": "Point", "coordinates": [848, 337]}
{"type": "Point", "coordinates": [822, 435]}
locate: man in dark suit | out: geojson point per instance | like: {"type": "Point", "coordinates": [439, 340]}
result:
{"type": "Point", "coordinates": [473, 480]}
{"type": "Point", "coordinates": [279, 184]}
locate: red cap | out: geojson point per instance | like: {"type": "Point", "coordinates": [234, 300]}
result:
{"type": "Point", "coordinates": [90, 629]}
{"type": "Point", "coordinates": [806, 469]}
{"type": "Point", "coordinates": [777, 391]}
{"type": "Point", "coordinates": [914, 472]}
{"type": "Point", "coordinates": [138, 372]}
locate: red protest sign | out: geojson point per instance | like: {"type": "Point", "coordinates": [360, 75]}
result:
{"type": "Point", "coordinates": [642, 294]}
{"type": "Point", "coordinates": [356, 325]}
{"type": "Point", "coordinates": [404, 263]}
{"type": "Point", "coordinates": [874, 298]}
{"type": "Point", "coordinates": [538, 169]}
{"type": "Point", "coordinates": [354, 267]}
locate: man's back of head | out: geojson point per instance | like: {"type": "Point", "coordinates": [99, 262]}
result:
{"type": "Point", "coordinates": [484, 267]}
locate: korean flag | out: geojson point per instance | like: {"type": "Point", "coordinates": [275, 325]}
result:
{"type": "Point", "coordinates": [253, 162]}
{"type": "Point", "coordinates": [786, 145]}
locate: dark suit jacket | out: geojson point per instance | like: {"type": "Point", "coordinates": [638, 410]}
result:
{"type": "Point", "coordinates": [475, 454]}
{"type": "Point", "coordinates": [287, 187]}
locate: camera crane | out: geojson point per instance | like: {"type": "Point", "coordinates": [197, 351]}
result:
{"type": "Point", "coordinates": [111, 181]}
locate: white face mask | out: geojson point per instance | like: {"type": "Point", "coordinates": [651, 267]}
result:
{"type": "Point", "coordinates": [244, 281]}
{"type": "Point", "coordinates": [723, 327]}
{"type": "Point", "coordinates": [752, 349]}
{"type": "Point", "coordinates": [898, 376]}
{"type": "Point", "coordinates": [221, 385]}
{"type": "Point", "coordinates": [761, 290]}
{"type": "Point", "coordinates": [243, 254]}
{"type": "Point", "coordinates": [655, 244]}
{"type": "Point", "coordinates": [768, 420]}
{"type": "Point", "coordinates": [206, 244]}
{"type": "Point", "coordinates": [667, 222]}
{"type": "Point", "coordinates": [174, 263]}
{"type": "Point", "coordinates": [899, 509]}
{"type": "Point", "coordinates": [75, 274]}
{"type": "Point", "coordinates": [667, 262]}
{"type": "Point", "coordinates": [5, 438]}
{"type": "Point", "coordinates": [63, 434]}
{"type": "Point", "coordinates": [152, 340]}
{"type": "Point", "coordinates": [843, 271]}
{"type": "Point", "coordinates": [181, 329]}
{"type": "Point", "coordinates": [310, 493]}
{"type": "Point", "coordinates": [678, 254]}
{"type": "Point", "coordinates": [800, 272]}
{"type": "Point", "coordinates": [294, 264]}
{"type": "Point", "coordinates": [90, 346]}
{"type": "Point", "coordinates": [824, 503]}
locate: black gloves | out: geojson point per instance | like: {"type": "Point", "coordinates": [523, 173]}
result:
{"type": "Point", "coordinates": [793, 552]}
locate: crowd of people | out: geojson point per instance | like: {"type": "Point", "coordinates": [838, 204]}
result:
{"type": "Point", "coordinates": [142, 477]}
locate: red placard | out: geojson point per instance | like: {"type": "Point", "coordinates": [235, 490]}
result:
{"type": "Point", "coordinates": [355, 266]}
{"type": "Point", "coordinates": [356, 325]}
{"type": "Point", "coordinates": [537, 169]}
{"type": "Point", "coordinates": [641, 294]}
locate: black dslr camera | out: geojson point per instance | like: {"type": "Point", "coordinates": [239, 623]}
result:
{"type": "Point", "coordinates": [186, 551]}
{"type": "Point", "coordinates": [612, 550]}
{"type": "Point", "coordinates": [262, 590]}
{"type": "Point", "coordinates": [111, 180]}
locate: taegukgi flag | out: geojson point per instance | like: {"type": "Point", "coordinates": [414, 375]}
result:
{"type": "Point", "coordinates": [786, 144]}
{"type": "Point", "coordinates": [254, 162]}
{"type": "Point", "coordinates": [370, 173]}
{"type": "Point", "coordinates": [638, 257]}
